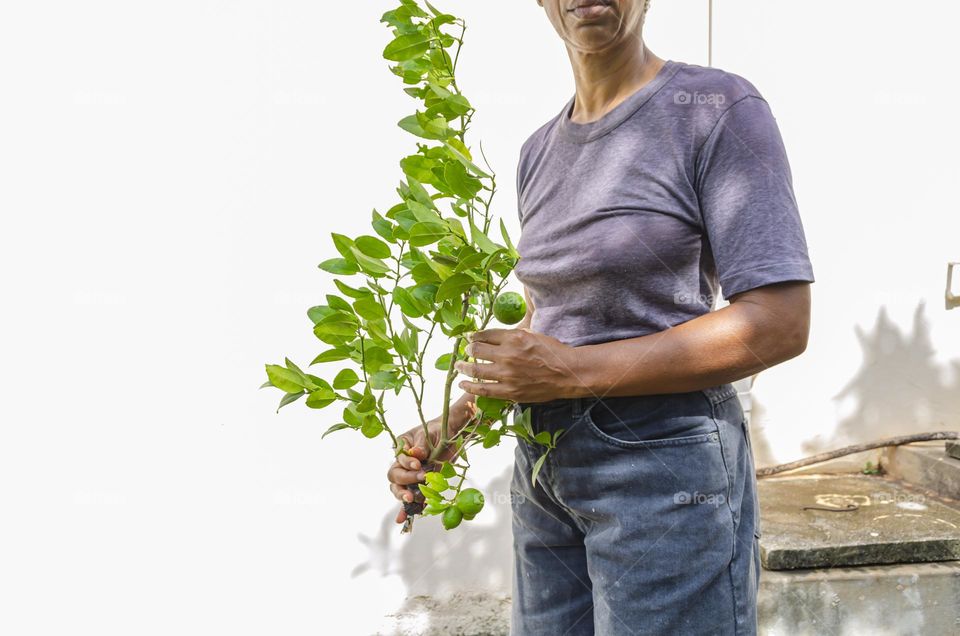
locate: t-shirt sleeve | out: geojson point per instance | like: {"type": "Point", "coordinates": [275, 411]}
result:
{"type": "Point", "coordinates": [747, 204]}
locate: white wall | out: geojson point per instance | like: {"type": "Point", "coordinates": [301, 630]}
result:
{"type": "Point", "coordinates": [171, 173]}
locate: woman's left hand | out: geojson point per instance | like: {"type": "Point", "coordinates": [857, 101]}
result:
{"type": "Point", "coordinates": [524, 366]}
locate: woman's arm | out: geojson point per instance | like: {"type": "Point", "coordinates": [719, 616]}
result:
{"type": "Point", "coordinates": [760, 328]}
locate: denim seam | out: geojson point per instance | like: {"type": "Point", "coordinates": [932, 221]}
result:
{"type": "Point", "coordinates": [736, 592]}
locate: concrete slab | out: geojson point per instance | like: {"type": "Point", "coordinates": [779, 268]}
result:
{"type": "Point", "coordinates": [891, 523]}
{"type": "Point", "coordinates": [889, 600]}
{"type": "Point", "coordinates": [926, 465]}
{"type": "Point", "coordinates": [953, 449]}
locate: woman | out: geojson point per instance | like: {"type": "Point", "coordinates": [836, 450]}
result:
{"type": "Point", "coordinates": [657, 184]}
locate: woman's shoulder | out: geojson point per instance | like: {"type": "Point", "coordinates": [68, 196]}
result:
{"type": "Point", "coordinates": [706, 84]}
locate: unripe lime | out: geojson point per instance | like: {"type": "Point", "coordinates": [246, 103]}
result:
{"type": "Point", "coordinates": [452, 517]}
{"type": "Point", "coordinates": [470, 501]}
{"type": "Point", "coordinates": [509, 308]}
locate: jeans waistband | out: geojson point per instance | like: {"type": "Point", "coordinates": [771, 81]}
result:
{"type": "Point", "coordinates": [715, 395]}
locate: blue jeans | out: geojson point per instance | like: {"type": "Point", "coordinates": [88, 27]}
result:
{"type": "Point", "coordinates": [644, 519]}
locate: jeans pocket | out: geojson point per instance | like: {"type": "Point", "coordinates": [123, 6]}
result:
{"type": "Point", "coordinates": [652, 421]}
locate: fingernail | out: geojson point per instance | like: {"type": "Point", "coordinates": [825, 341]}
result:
{"type": "Point", "coordinates": [414, 464]}
{"type": "Point", "coordinates": [469, 335]}
{"type": "Point", "coordinates": [421, 475]}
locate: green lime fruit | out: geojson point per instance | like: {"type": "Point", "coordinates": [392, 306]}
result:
{"type": "Point", "coordinates": [491, 406]}
{"type": "Point", "coordinates": [509, 308]}
{"type": "Point", "coordinates": [452, 517]}
{"type": "Point", "coordinates": [470, 501]}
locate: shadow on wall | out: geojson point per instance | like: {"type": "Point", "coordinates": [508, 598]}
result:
{"type": "Point", "coordinates": [477, 556]}
{"type": "Point", "coordinates": [899, 389]}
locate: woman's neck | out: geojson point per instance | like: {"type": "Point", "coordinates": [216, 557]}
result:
{"type": "Point", "coordinates": [605, 79]}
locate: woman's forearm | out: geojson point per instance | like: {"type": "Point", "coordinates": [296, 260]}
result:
{"type": "Point", "coordinates": [760, 329]}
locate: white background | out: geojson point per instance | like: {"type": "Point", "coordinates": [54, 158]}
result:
{"type": "Point", "coordinates": [169, 176]}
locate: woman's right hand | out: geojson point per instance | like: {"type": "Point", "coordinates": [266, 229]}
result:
{"type": "Point", "coordinates": [411, 464]}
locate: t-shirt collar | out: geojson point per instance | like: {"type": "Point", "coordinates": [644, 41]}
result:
{"type": "Point", "coordinates": [582, 133]}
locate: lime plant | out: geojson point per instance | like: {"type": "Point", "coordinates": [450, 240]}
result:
{"type": "Point", "coordinates": [429, 273]}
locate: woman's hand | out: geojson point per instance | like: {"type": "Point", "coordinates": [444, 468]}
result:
{"type": "Point", "coordinates": [524, 366]}
{"type": "Point", "coordinates": [411, 464]}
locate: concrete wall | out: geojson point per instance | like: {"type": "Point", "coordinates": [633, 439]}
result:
{"type": "Point", "coordinates": [171, 174]}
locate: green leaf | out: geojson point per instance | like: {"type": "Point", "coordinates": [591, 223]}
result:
{"type": "Point", "coordinates": [285, 379]}
{"type": "Point", "coordinates": [429, 492]}
{"type": "Point", "coordinates": [288, 398]}
{"type": "Point", "coordinates": [506, 239]}
{"type": "Point", "coordinates": [526, 421]}
{"type": "Point", "coordinates": [343, 244]}
{"type": "Point", "coordinates": [370, 308]}
{"type": "Point", "coordinates": [458, 104]}
{"type": "Point", "coordinates": [334, 428]}
{"type": "Point", "coordinates": [373, 247]}
{"type": "Point", "coordinates": [543, 437]}
{"type": "Point", "coordinates": [435, 508]}
{"type": "Point", "coordinates": [338, 324]}
{"type": "Point", "coordinates": [371, 427]}
{"type": "Point", "coordinates": [418, 167]}
{"type": "Point", "coordinates": [372, 266]}
{"type": "Point", "coordinates": [331, 355]}
{"type": "Point", "coordinates": [425, 294]}
{"type": "Point", "coordinates": [462, 184]}
{"type": "Point", "coordinates": [436, 128]}
{"type": "Point", "coordinates": [433, 9]}
{"type": "Point", "coordinates": [424, 213]}
{"type": "Point", "coordinates": [443, 362]}
{"type": "Point", "coordinates": [407, 47]}
{"type": "Point", "coordinates": [339, 304]}
{"type": "Point", "coordinates": [455, 287]}
{"type": "Point", "coordinates": [412, 126]}
{"type": "Point", "coordinates": [375, 358]}
{"type": "Point", "coordinates": [436, 481]}
{"type": "Point", "coordinates": [383, 380]}
{"type": "Point", "coordinates": [482, 240]}
{"type": "Point", "coordinates": [451, 317]}
{"type": "Point", "coordinates": [447, 470]}
{"type": "Point", "coordinates": [420, 194]}
{"type": "Point", "coordinates": [491, 439]}
{"type": "Point", "coordinates": [382, 227]}
{"type": "Point", "coordinates": [351, 291]}
{"type": "Point", "coordinates": [407, 303]}
{"type": "Point", "coordinates": [320, 398]}
{"type": "Point", "coordinates": [427, 233]}
{"type": "Point", "coordinates": [536, 469]}
{"type": "Point", "coordinates": [469, 165]}
{"type": "Point", "coordinates": [442, 271]}
{"type": "Point", "coordinates": [345, 379]}
{"type": "Point", "coordinates": [318, 313]}
{"type": "Point", "coordinates": [338, 266]}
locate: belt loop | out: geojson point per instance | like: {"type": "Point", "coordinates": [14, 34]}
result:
{"type": "Point", "coordinates": [577, 404]}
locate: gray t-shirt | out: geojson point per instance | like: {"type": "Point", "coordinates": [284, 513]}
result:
{"type": "Point", "coordinates": [631, 223]}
